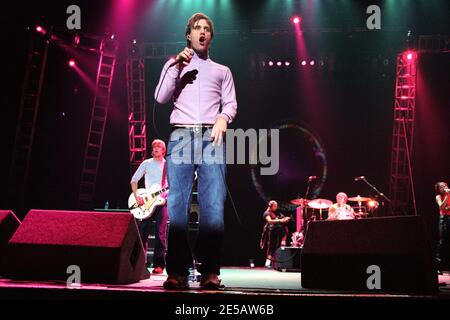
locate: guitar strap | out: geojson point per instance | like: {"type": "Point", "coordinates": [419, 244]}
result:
{"type": "Point", "coordinates": [164, 174]}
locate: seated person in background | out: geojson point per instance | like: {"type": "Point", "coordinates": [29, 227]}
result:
{"type": "Point", "coordinates": [274, 232]}
{"type": "Point", "coordinates": [341, 210]}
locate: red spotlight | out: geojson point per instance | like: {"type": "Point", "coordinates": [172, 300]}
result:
{"type": "Point", "coordinates": [76, 39]}
{"type": "Point", "coordinates": [296, 20]}
{"type": "Point", "coordinates": [304, 63]}
{"type": "Point", "coordinates": [312, 62]}
{"type": "Point", "coordinates": [409, 55]}
{"type": "Point", "coordinates": [72, 63]}
{"type": "Point", "coordinates": [40, 30]}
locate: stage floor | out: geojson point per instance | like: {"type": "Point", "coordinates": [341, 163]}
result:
{"type": "Point", "coordinates": [240, 283]}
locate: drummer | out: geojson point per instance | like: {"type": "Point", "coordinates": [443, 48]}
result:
{"type": "Point", "coordinates": [341, 210]}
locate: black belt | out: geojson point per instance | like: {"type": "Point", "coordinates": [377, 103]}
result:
{"type": "Point", "coordinates": [194, 128]}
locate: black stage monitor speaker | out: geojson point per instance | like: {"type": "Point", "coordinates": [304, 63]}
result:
{"type": "Point", "coordinates": [389, 254]}
{"type": "Point", "coordinates": [287, 259]}
{"type": "Point", "coordinates": [51, 245]}
{"type": "Point", "coordinates": [8, 225]}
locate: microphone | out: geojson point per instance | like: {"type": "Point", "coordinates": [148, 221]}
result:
{"type": "Point", "coordinates": [177, 61]}
{"type": "Point", "coordinates": [310, 178]}
{"type": "Point", "coordinates": [360, 178]}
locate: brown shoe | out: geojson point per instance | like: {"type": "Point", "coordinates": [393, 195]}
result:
{"type": "Point", "coordinates": [176, 282]}
{"type": "Point", "coordinates": [158, 270]}
{"type": "Point", "coordinates": [210, 281]}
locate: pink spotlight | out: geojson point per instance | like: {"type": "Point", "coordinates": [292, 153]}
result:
{"type": "Point", "coordinates": [304, 63]}
{"type": "Point", "coordinates": [296, 20]}
{"type": "Point", "coordinates": [409, 55]}
{"type": "Point", "coordinates": [72, 63]}
{"type": "Point", "coordinates": [279, 63]}
{"type": "Point", "coordinates": [270, 63]}
{"type": "Point", "coordinates": [287, 63]}
{"type": "Point", "coordinates": [312, 62]}
{"type": "Point", "coordinates": [40, 30]}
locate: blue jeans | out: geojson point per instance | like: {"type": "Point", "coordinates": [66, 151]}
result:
{"type": "Point", "coordinates": [160, 216]}
{"type": "Point", "coordinates": [211, 198]}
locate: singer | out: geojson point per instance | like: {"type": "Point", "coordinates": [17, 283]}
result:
{"type": "Point", "coordinates": [204, 102]}
{"type": "Point", "coordinates": [443, 201]}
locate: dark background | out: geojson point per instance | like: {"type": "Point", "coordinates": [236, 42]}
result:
{"type": "Point", "coordinates": [345, 104]}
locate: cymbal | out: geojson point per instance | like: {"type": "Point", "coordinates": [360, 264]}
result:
{"type": "Point", "coordinates": [359, 199]}
{"type": "Point", "coordinates": [320, 203]}
{"type": "Point", "coordinates": [299, 202]}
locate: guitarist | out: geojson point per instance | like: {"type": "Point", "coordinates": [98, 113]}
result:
{"type": "Point", "coordinates": [154, 171]}
{"type": "Point", "coordinates": [274, 232]}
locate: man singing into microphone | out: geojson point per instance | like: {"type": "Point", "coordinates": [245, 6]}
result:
{"type": "Point", "coordinates": [204, 103]}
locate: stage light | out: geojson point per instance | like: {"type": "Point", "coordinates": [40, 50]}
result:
{"type": "Point", "coordinates": [76, 39]}
{"type": "Point", "coordinates": [296, 20]}
{"type": "Point", "coordinates": [134, 41]}
{"type": "Point", "coordinates": [112, 37]}
{"type": "Point", "coordinates": [279, 63]}
{"type": "Point", "coordinates": [409, 55]}
{"type": "Point", "coordinates": [72, 63]}
{"type": "Point", "coordinates": [270, 63]}
{"type": "Point", "coordinates": [41, 30]}
{"type": "Point", "coordinates": [287, 63]}
{"type": "Point", "coordinates": [303, 62]}
{"type": "Point", "coordinates": [372, 204]}
{"type": "Point", "coordinates": [312, 62]}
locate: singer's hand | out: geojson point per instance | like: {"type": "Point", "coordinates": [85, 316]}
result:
{"type": "Point", "coordinates": [218, 130]}
{"type": "Point", "coordinates": [185, 56]}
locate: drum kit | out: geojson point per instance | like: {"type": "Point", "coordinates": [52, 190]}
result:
{"type": "Point", "coordinates": [324, 204]}
{"type": "Point", "coordinates": [365, 207]}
